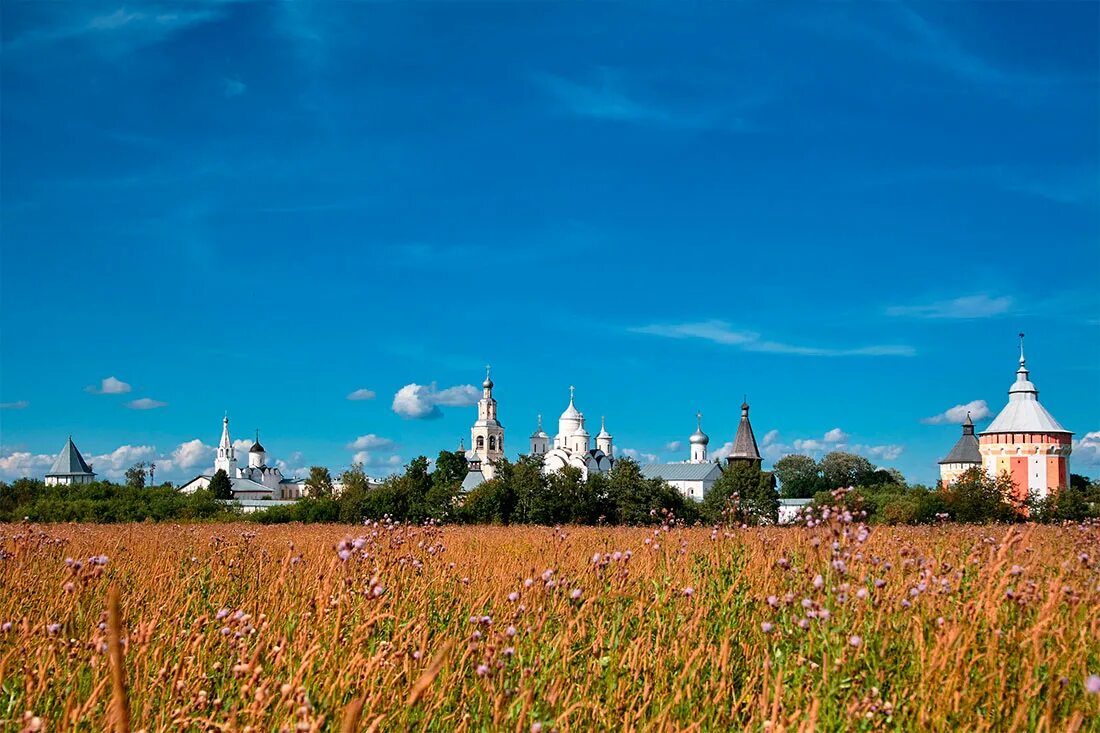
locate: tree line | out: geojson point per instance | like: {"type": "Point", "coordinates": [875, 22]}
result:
{"type": "Point", "coordinates": [520, 493]}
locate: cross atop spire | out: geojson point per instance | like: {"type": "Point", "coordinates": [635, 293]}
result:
{"type": "Point", "coordinates": [1021, 348]}
{"type": "Point", "coordinates": [572, 389]}
{"type": "Point", "coordinates": [698, 420]}
{"type": "Point", "coordinates": [540, 423]}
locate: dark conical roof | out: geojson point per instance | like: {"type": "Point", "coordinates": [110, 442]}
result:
{"type": "Point", "coordinates": [966, 450]}
{"type": "Point", "coordinates": [744, 443]}
{"type": "Point", "coordinates": [69, 462]}
{"type": "Point", "coordinates": [256, 448]}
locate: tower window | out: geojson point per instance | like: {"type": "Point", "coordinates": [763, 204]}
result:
{"type": "Point", "coordinates": [492, 442]}
{"type": "Point", "coordinates": [480, 442]}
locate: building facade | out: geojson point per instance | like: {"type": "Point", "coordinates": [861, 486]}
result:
{"type": "Point", "coordinates": [486, 434]}
{"type": "Point", "coordinates": [1026, 442]}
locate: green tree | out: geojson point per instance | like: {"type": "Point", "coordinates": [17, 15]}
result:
{"type": "Point", "coordinates": [977, 497]}
{"type": "Point", "coordinates": [135, 475]}
{"type": "Point", "coordinates": [799, 476]}
{"type": "Point", "coordinates": [220, 485]}
{"type": "Point", "coordinates": [319, 482]}
{"type": "Point", "coordinates": [743, 494]}
{"type": "Point", "coordinates": [450, 467]}
{"type": "Point", "coordinates": [841, 470]}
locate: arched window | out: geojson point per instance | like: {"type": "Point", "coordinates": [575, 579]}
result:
{"type": "Point", "coordinates": [492, 442]}
{"type": "Point", "coordinates": [500, 443]}
{"type": "Point", "coordinates": [480, 442]}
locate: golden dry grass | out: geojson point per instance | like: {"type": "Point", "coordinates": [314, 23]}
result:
{"type": "Point", "coordinates": [238, 627]}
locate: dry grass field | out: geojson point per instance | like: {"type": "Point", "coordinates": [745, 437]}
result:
{"type": "Point", "coordinates": [322, 627]}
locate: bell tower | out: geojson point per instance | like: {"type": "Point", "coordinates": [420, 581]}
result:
{"type": "Point", "coordinates": [487, 434]}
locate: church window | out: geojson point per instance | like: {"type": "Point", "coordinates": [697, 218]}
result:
{"type": "Point", "coordinates": [492, 442]}
{"type": "Point", "coordinates": [480, 442]}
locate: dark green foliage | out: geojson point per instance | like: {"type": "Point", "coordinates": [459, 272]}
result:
{"type": "Point", "coordinates": [105, 502]}
{"type": "Point", "coordinates": [799, 476]}
{"type": "Point", "coordinates": [841, 470]}
{"type": "Point", "coordinates": [319, 482]}
{"type": "Point", "coordinates": [220, 485]}
{"type": "Point", "coordinates": [135, 475]}
{"type": "Point", "coordinates": [976, 497]}
{"type": "Point", "coordinates": [743, 494]}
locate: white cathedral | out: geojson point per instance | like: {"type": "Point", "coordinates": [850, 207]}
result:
{"type": "Point", "coordinates": [572, 444]}
{"type": "Point", "coordinates": [257, 480]}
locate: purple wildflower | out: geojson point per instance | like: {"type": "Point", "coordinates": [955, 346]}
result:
{"type": "Point", "coordinates": [1092, 684]}
{"type": "Point", "coordinates": [766, 627]}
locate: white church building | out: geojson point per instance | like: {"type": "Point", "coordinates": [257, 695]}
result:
{"type": "Point", "coordinates": [256, 481]}
{"type": "Point", "coordinates": [572, 444]}
{"type": "Point", "coordinates": [693, 477]}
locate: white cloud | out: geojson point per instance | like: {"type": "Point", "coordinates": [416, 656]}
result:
{"type": "Point", "coordinates": [145, 403]}
{"type": "Point", "coordinates": [241, 445]}
{"type": "Point", "coordinates": [966, 307]}
{"type": "Point", "coordinates": [371, 460]}
{"type": "Point", "coordinates": [639, 456]}
{"type": "Point", "coordinates": [114, 464]}
{"type": "Point", "coordinates": [110, 385]}
{"type": "Point", "coordinates": [956, 415]}
{"type": "Point", "coordinates": [294, 466]}
{"type": "Point", "coordinates": [1086, 450]}
{"type": "Point", "coordinates": [421, 401]}
{"type": "Point", "coordinates": [371, 442]}
{"type": "Point", "coordinates": [810, 445]}
{"type": "Point", "coordinates": [723, 452]}
{"type": "Point", "coordinates": [836, 435]}
{"type": "Point", "coordinates": [883, 452]}
{"type": "Point", "coordinates": [720, 332]}
{"type": "Point", "coordinates": [770, 437]}
{"type": "Point", "coordinates": [362, 394]}
{"type": "Point", "coordinates": [17, 405]}
{"type": "Point", "coordinates": [19, 464]}
{"type": "Point", "coordinates": [192, 453]}
{"type": "Point", "coordinates": [674, 446]}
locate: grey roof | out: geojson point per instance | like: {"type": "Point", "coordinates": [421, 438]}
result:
{"type": "Point", "coordinates": [966, 450]}
{"type": "Point", "coordinates": [257, 448]}
{"type": "Point", "coordinates": [473, 480]}
{"type": "Point", "coordinates": [247, 485]}
{"type": "Point", "coordinates": [70, 463]}
{"type": "Point", "coordinates": [744, 443]}
{"type": "Point", "coordinates": [1023, 413]}
{"type": "Point", "coordinates": [682, 471]}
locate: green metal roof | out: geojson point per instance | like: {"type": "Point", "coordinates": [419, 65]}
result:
{"type": "Point", "coordinates": [70, 463]}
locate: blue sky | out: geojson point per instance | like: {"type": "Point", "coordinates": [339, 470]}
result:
{"type": "Point", "coordinates": [844, 211]}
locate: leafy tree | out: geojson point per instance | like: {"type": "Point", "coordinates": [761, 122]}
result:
{"type": "Point", "coordinates": [450, 467]}
{"type": "Point", "coordinates": [743, 493]}
{"type": "Point", "coordinates": [135, 475]}
{"type": "Point", "coordinates": [799, 476]}
{"type": "Point", "coordinates": [319, 482]}
{"type": "Point", "coordinates": [977, 497]}
{"type": "Point", "coordinates": [1071, 503]}
{"type": "Point", "coordinates": [841, 470]}
{"type": "Point", "coordinates": [220, 485]}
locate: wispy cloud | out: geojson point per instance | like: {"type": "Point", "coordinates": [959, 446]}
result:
{"type": "Point", "coordinates": [977, 409]}
{"type": "Point", "coordinates": [145, 403]}
{"type": "Point", "coordinates": [422, 401]}
{"type": "Point", "coordinates": [116, 32]}
{"type": "Point", "coordinates": [966, 307]}
{"type": "Point", "coordinates": [721, 332]}
{"type": "Point", "coordinates": [362, 394]}
{"type": "Point", "coordinates": [115, 463]}
{"type": "Point", "coordinates": [17, 405]}
{"type": "Point", "coordinates": [907, 36]}
{"type": "Point", "coordinates": [607, 98]}
{"type": "Point", "coordinates": [640, 456]}
{"type": "Point", "coordinates": [110, 385]}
